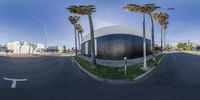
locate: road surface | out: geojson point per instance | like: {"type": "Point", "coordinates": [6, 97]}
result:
{"type": "Point", "coordinates": [58, 78]}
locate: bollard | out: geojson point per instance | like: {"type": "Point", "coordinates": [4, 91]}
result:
{"type": "Point", "coordinates": [125, 65]}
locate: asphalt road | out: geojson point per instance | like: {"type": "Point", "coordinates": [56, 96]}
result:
{"type": "Point", "coordinates": [58, 78]}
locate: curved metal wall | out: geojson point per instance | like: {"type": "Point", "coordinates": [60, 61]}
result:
{"type": "Point", "coordinates": [117, 46]}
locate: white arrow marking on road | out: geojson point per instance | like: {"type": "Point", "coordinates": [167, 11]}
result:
{"type": "Point", "coordinates": [14, 81]}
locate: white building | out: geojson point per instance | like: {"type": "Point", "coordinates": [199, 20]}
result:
{"type": "Point", "coordinates": [55, 49]}
{"type": "Point", "coordinates": [3, 48]}
{"type": "Point", "coordinates": [173, 45]}
{"type": "Point", "coordinates": [25, 47]}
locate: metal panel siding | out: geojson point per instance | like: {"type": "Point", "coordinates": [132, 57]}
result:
{"type": "Point", "coordinates": [116, 46]}
{"type": "Point", "coordinates": [89, 48]}
{"type": "Point", "coordinates": [95, 44]}
{"type": "Point", "coordinates": [83, 49]}
{"type": "Point", "coordinates": [86, 48]}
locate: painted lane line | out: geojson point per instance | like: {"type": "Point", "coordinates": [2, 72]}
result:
{"type": "Point", "coordinates": [14, 81]}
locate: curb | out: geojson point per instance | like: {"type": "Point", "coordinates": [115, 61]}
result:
{"type": "Point", "coordinates": [162, 58]}
{"type": "Point", "coordinates": [101, 79]}
{"type": "Point", "coordinates": [143, 75]}
{"type": "Point", "coordinates": [149, 71]}
{"type": "Point", "coordinates": [192, 53]}
{"type": "Point", "coordinates": [115, 81]}
{"type": "Point", "coordinates": [90, 74]}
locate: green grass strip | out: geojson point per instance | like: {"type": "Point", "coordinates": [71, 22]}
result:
{"type": "Point", "coordinates": [116, 73]}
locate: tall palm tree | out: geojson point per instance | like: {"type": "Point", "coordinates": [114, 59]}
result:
{"type": "Point", "coordinates": [30, 45]}
{"type": "Point", "coordinates": [143, 10]}
{"type": "Point", "coordinates": [162, 19]}
{"type": "Point", "coordinates": [78, 27]}
{"type": "Point", "coordinates": [87, 10]}
{"type": "Point", "coordinates": [74, 20]}
{"type": "Point", "coordinates": [152, 8]}
{"type": "Point", "coordinates": [80, 32]}
{"type": "Point", "coordinates": [165, 28]}
{"type": "Point", "coordinates": [20, 47]}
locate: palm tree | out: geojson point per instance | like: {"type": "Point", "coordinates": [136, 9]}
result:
{"type": "Point", "coordinates": [162, 19]}
{"type": "Point", "coordinates": [165, 28]}
{"type": "Point", "coordinates": [30, 45]}
{"type": "Point", "coordinates": [20, 46]}
{"type": "Point", "coordinates": [74, 20]}
{"type": "Point", "coordinates": [152, 8]}
{"type": "Point", "coordinates": [80, 32]}
{"type": "Point", "coordinates": [87, 10]}
{"type": "Point", "coordinates": [78, 27]}
{"type": "Point", "coordinates": [143, 10]}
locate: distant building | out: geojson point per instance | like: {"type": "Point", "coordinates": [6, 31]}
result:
{"type": "Point", "coordinates": [195, 47]}
{"type": "Point", "coordinates": [157, 47]}
{"type": "Point", "coordinates": [172, 45]}
{"type": "Point", "coordinates": [55, 49]}
{"type": "Point", "coordinates": [24, 47]}
{"type": "Point", "coordinates": [3, 48]}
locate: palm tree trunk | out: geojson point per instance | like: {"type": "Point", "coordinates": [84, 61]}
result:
{"type": "Point", "coordinates": [81, 36]}
{"type": "Point", "coordinates": [81, 42]}
{"type": "Point", "coordinates": [164, 38]}
{"type": "Point", "coordinates": [79, 45]}
{"type": "Point", "coordinates": [20, 47]}
{"type": "Point", "coordinates": [29, 51]}
{"type": "Point", "coordinates": [161, 41]}
{"type": "Point", "coordinates": [144, 42]}
{"type": "Point", "coordinates": [93, 59]}
{"type": "Point", "coordinates": [75, 41]}
{"type": "Point", "coordinates": [152, 36]}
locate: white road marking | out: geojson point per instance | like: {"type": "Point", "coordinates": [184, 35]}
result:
{"type": "Point", "coordinates": [14, 81]}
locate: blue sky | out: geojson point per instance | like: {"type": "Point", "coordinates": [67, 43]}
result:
{"type": "Point", "coordinates": [21, 19]}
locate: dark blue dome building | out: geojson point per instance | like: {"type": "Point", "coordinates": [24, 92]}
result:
{"type": "Point", "coordinates": [116, 42]}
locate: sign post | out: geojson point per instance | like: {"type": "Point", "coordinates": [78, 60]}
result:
{"type": "Point", "coordinates": [125, 65]}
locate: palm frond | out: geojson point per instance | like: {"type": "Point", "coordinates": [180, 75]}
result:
{"type": "Point", "coordinates": [74, 19]}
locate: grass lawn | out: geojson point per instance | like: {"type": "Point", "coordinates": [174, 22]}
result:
{"type": "Point", "coordinates": [116, 73]}
{"type": "Point", "coordinates": [151, 63]}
